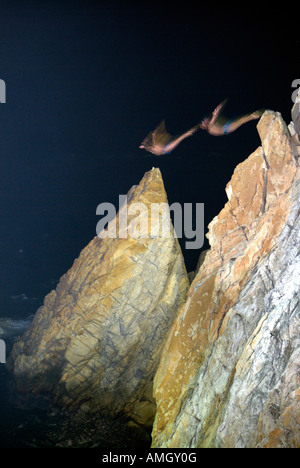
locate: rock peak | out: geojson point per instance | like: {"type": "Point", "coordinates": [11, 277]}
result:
{"type": "Point", "coordinates": [222, 354]}
{"type": "Point", "coordinates": [231, 355]}
{"type": "Point", "coordinates": [96, 341]}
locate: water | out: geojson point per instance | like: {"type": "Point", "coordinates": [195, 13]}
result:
{"type": "Point", "coordinates": [43, 426]}
{"type": "Point", "coordinates": [10, 328]}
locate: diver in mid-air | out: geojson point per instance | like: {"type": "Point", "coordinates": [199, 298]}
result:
{"type": "Point", "coordinates": [161, 142]}
{"type": "Point", "coordinates": [219, 125]}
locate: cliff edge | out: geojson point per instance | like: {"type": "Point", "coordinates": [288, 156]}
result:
{"type": "Point", "coordinates": [229, 371]}
{"type": "Point", "coordinates": [224, 350]}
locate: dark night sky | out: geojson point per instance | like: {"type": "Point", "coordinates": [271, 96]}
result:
{"type": "Point", "coordinates": [86, 81]}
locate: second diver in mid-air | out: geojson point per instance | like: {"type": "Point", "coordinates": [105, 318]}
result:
{"type": "Point", "coordinates": [161, 142]}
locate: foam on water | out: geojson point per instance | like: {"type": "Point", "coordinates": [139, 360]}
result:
{"type": "Point", "coordinates": [10, 327]}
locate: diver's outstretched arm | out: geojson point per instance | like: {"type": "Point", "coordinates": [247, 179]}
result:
{"type": "Point", "coordinates": [175, 142]}
{"type": "Point", "coordinates": [209, 122]}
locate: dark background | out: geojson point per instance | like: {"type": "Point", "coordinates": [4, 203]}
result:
{"type": "Point", "coordinates": [86, 81]}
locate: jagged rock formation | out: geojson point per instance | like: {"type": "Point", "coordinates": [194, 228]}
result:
{"type": "Point", "coordinates": [294, 127]}
{"type": "Point", "coordinates": [226, 356]}
{"type": "Point", "coordinates": [229, 371]}
{"type": "Point", "coordinates": [95, 343]}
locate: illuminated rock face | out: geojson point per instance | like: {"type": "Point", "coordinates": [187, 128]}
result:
{"type": "Point", "coordinates": [229, 371]}
{"type": "Point", "coordinates": [294, 126]}
{"type": "Point", "coordinates": [225, 355]}
{"type": "Point", "coordinates": [96, 341]}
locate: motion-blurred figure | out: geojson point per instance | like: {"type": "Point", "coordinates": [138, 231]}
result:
{"type": "Point", "coordinates": [161, 142]}
{"type": "Point", "coordinates": [218, 125]}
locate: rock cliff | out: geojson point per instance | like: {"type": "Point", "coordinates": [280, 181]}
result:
{"type": "Point", "coordinates": [225, 351]}
{"type": "Point", "coordinates": [95, 343]}
{"type": "Point", "coordinates": [229, 371]}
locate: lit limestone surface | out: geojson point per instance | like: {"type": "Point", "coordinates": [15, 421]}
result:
{"type": "Point", "coordinates": [229, 371]}
{"type": "Point", "coordinates": [95, 343]}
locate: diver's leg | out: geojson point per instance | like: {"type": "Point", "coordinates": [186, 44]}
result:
{"type": "Point", "coordinates": [234, 124]}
